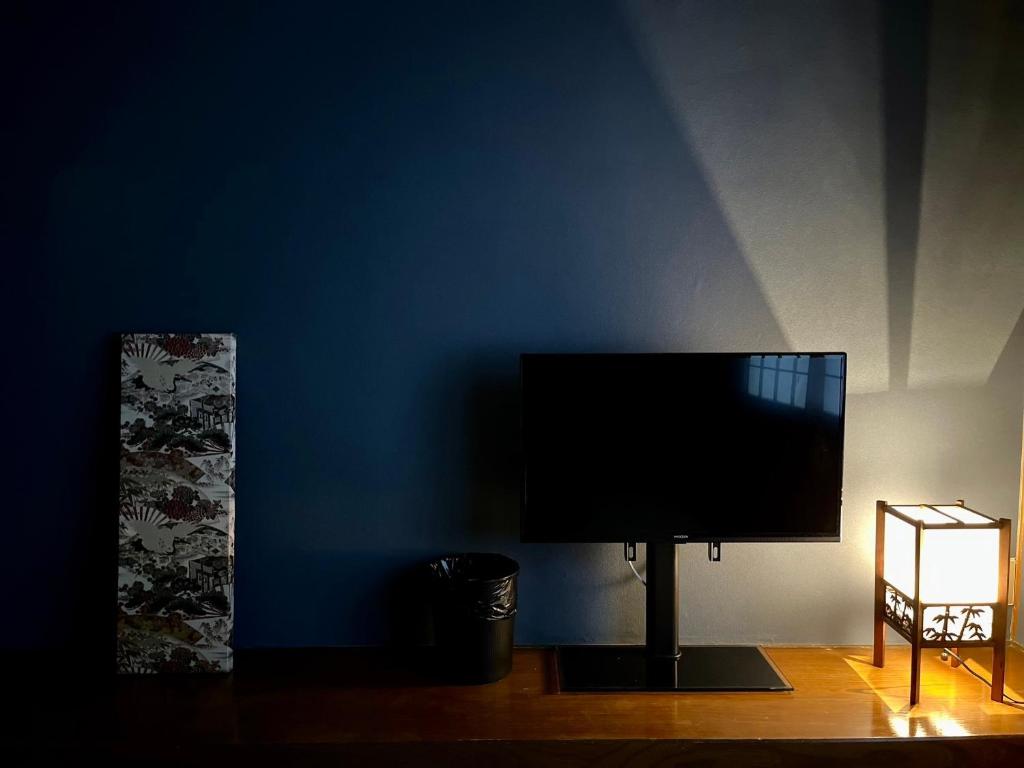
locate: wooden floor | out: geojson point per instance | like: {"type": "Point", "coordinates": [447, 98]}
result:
{"type": "Point", "coordinates": [324, 704]}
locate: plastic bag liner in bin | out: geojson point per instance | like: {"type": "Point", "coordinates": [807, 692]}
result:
{"type": "Point", "coordinates": [474, 615]}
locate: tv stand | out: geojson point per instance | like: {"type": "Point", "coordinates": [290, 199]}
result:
{"type": "Point", "coordinates": [662, 665]}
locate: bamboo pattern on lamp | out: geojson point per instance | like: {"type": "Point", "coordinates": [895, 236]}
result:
{"type": "Point", "coordinates": [975, 623]}
{"type": "Point", "coordinates": [899, 612]}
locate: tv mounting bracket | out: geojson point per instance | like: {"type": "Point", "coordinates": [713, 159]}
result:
{"type": "Point", "coordinates": [714, 551]}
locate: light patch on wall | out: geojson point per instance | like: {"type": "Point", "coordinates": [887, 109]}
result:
{"type": "Point", "coordinates": [785, 121]}
{"type": "Point", "coordinates": [969, 282]}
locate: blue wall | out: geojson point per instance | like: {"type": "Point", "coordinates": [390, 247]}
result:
{"type": "Point", "coordinates": [386, 208]}
{"type": "Point", "coordinates": [387, 205]}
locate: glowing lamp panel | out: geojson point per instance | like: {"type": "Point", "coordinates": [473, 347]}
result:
{"type": "Point", "coordinates": [926, 514]}
{"type": "Point", "coordinates": [959, 566]}
{"type": "Point", "coordinates": [963, 514]}
{"type": "Point", "coordinates": [899, 554]}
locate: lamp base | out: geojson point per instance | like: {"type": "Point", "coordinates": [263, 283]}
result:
{"type": "Point", "coordinates": [597, 668]}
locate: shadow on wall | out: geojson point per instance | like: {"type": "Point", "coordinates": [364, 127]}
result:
{"type": "Point", "coordinates": [968, 289]}
{"type": "Point", "coordinates": [485, 492]}
{"type": "Point", "coordinates": [1008, 373]}
{"type": "Point", "coordinates": [366, 597]}
{"type": "Point", "coordinates": [493, 451]}
{"type": "Point", "coordinates": [94, 555]}
{"type": "Point", "coordinates": [590, 225]}
{"type": "Point", "coordinates": [904, 31]}
{"type": "Point", "coordinates": [941, 443]}
{"type": "Point", "coordinates": [510, 179]}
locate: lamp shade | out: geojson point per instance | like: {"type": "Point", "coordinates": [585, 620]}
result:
{"type": "Point", "coordinates": [960, 566]}
{"type": "Point", "coordinates": [959, 561]}
{"type": "Point", "coordinates": [940, 579]}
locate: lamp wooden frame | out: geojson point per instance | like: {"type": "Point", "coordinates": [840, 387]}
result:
{"type": "Point", "coordinates": [914, 634]}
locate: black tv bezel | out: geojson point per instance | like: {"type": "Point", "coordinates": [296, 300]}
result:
{"type": "Point", "coordinates": [681, 538]}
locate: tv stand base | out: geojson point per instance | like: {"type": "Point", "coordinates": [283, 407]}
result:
{"type": "Point", "coordinates": [597, 668]}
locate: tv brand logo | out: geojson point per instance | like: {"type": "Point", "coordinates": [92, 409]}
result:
{"type": "Point", "coordinates": [680, 537]}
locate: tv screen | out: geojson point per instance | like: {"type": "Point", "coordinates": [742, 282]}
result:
{"type": "Point", "coordinates": [682, 447]}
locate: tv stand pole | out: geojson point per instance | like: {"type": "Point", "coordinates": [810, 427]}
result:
{"type": "Point", "coordinates": [662, 601]}
{"type": "Point", "coordinates": [660, 664]}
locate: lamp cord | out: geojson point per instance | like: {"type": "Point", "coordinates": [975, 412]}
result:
{"type": "Point", "coordinates": [636, 573]}
{"type": "Point", "coordinates": [966, 666]}
{"type": "Point", "coordinates": [632, 567]}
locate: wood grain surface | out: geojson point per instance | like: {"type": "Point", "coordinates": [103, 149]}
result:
{"type": "Point", "coordinates": [366, 704]}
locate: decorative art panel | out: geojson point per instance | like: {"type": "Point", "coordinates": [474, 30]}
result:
{"type": "Point", "coordinates": [176, 538]}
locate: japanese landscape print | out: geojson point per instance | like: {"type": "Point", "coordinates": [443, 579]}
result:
{"type": "Point", "coordinates": [176, 536]}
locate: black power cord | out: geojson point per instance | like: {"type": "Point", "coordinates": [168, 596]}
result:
{"type": "Point", "coordinates": [967, 666]}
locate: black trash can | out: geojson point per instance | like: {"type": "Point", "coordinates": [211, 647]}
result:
{"type": "Point", "coordinates": [474, 597]}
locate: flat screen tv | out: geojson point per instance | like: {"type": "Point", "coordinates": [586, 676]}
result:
{"type": "Point", "coordinates": [682, 447]}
